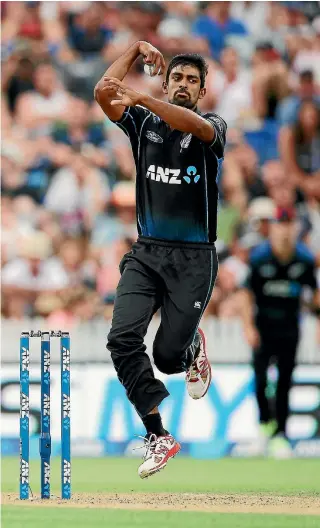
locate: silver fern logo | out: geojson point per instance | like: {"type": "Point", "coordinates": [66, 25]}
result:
{"type": "Point", "coordinates": [185, 142]}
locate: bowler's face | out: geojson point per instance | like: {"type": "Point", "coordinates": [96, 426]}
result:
{"type": "Point", "coordinates": [184, 86]}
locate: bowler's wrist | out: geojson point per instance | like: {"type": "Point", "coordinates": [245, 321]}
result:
{"type": "Point", "coordinates": [140, 43]}
{"type": "Point", "coordinates": [144, 100]}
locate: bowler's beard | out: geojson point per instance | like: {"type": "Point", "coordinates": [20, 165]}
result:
{"type": "Point", "coordinates": [186, 103]}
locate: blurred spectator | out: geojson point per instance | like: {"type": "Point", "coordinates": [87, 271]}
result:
{"type": "Point", "coordinates": [74, 306]}
{"type": "Point", "coordinates": [138, 21]}
{"type": "Point", "coordinates": [108, 274]}
{"type": "Point", "coordinates": [252, 14]}
{"type": "Point", "coordinates": [259, 211]}
{"type": "Point", "coordinates": [130, 29]}
{"type": "Point", "coordinates": [273, 175]}
{"type": "Point", "coordinates": [224, 301]}
{"type": "Point", "coordinates": [285, 197]}
{"type": "Point", "coordinates": [183, 10]}
{"type": "Point", "coordinates": [77, 194]}
{"type": "Point", "coordinates": [6, 120]}
{"type": "Point", "coordinates": [237, 261]}
{"type": "Point", "coordinates": [86, 32]}
{"type": "Point", "coordinates": [14, 180]}
{"type": "Point", "coordinates": [49, 101]}
{"type": "Point", "coordinates": [17, 78]}
{"type": "Point", "coordinates": [31, 26]}
{"type": "Point", "coordinates": [232, 88]}
{"type": "Point", "coordinates": [23, 28]}
{"type": "Point", "coordinates": [21, 175]}
{"type": "Point", "coordinates": [242, 162]}
{"type": "Point", "coordinates": [288, 109]}
{"type": "Point", "coordinates": [254, 227]}
{"type": "Point", "coordinates": [233, 186]}
{"type": "Point", "coordinates": [121, 151]}
{"type": "Point", "coordinates": [72, 254]}
{"type": "Point", "coordinates": [174, 32]}
{"type": "Point", "coordinates": [307, 56]}
{"type": "Point", "coordinates": [270, 80]}
{"type": "Point", "coordinates": [82, 135]}
{"type": "Point", "coordinates": [76, 128]}
{"type": "Point", "coordinates": [30, 273]}
{"type": "Point", "coordinates": [49, 224]}
{"type": "Point", "coordinates": [82, 47]}
{"type": "Point", "coordinates": [313, 235]}
{"type": "Point", "coordinates": [247, 161]}
{"type": "Point", "coordinates": [300, 149]}
{"type": "Point", "coordinates": [216, 24]}
{"type": "Point", "coordinates": [122, 223]}
{"type": "Point", "coordinates": [14, 227]}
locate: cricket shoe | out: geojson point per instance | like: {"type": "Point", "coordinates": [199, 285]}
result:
{"type": "Point", "coordinates": [198, 376]}
{"type": "Point", "coordinates": [268, 429]}
{"type": "Point", "coordinates": [265, 432]}
{"type": "Point", "coordinates": [279, 447]}
{"type": "Point", "coordinates": [159, 449]}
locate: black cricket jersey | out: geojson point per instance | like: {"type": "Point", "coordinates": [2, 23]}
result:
{"type": "Point", "coordinates": [176, 183]}
{"type": "Point", "coordinates": [278, 287]}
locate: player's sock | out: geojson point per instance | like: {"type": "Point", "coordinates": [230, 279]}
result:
{"type": "Point", "coordinates": [153, 425]}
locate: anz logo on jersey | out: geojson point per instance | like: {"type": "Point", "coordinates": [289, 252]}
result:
{"type": "Point", "coordinates": [192, 175]}
{"type": "Point", "coordinates": [172, 176]}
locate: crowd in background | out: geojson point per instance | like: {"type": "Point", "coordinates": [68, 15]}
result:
{"type": "Point", "coordinates": [68, 191]}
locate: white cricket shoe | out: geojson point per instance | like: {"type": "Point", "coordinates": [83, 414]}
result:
{"type": "Point", "coordinates": [198, 376]}
{"type": "Point", "coordinates": [159, 449]}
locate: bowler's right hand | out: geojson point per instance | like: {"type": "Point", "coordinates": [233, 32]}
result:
{"type": "Point", "coordinates": [152, 55]}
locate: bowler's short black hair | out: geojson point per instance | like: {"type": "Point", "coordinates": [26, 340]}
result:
{"type": "Point", "coordinates": [189, 59]}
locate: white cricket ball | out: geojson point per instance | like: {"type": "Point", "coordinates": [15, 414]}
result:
{"type": "Point", "coordinates": [149, 69]}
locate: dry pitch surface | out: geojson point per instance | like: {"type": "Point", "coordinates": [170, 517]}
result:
{"type": "Point", "coordinates": [205, 502]}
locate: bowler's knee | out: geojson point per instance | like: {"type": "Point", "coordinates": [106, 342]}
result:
{"type": "Point", "coordinates": [123, 342]}
{"type": "Point", "coordinates": [166, 359]}
{"type": "Point", "coordinates": [165, 367]}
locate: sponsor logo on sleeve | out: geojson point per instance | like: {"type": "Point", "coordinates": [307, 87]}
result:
{"type": "Point", "coordinates": [217, 123]}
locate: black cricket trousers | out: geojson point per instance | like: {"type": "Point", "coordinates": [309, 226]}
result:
{"type": "Point", "coordinates": [177, 280]}
{"type": "Point", "coordinates": [283, 350]}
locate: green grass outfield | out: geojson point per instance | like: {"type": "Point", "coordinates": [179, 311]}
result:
{"type": "Point", "coordinates": [228, 476]}
{"type": "Point", "coordinates": [15, 517]}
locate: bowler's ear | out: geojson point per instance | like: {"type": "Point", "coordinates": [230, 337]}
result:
{"type": "Point", "coordinates": [202, 93]}
{"type": "Point", "coordinates": [165, 87]}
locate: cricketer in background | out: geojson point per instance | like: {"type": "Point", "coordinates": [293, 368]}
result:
{"type": "Point", "coordinates": [280, 269]}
